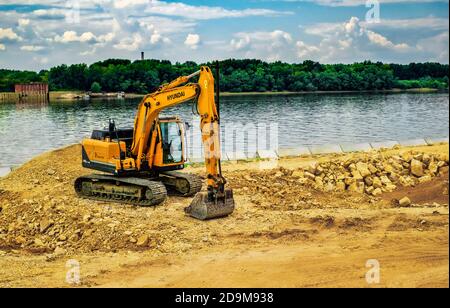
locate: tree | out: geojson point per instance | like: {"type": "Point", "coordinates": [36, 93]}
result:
{"type": "Point", "coordinates": [96, 88]}
{"type": "Point", "coordinates": [243, 75]}
{"type": "Point", "coordinates": [57, 78]}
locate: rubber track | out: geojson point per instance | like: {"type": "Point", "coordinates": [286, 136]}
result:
{"type": "Point", "coordinates": [158, 189]}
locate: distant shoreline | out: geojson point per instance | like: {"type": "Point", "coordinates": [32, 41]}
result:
{"type": "Point", "coordinates": [418, 90]}
{"type": "Point", "coordinates": [66, 95]}
{"type": "Point", "coordinates": [80, 95]}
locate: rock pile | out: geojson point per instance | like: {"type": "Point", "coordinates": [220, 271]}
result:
{"type": "Point", "coordinates": [61, 225]}
{"type": "Point", "coordinates": [373, 174]}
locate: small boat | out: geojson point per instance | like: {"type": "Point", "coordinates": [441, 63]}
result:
{"type": "Point", "coordinates": [121, 95]}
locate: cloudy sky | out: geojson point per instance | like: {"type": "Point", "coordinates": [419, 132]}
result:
{"type": "Point", "coordinates": [38, 34]}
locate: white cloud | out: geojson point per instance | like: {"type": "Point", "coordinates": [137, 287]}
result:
{"type": "Point", "coordinates": [428, 23]}
{"type": "Point", "coordinates": [41, 60]}
{"type": "Point", "coordinates": [436, 46]}
{"type": "Point", "coordinates": [347, 41]}
{"type": "Point", "coordinates": [352, 25]}
{"type": "Point", "coordinates": [382, 41]}
{"type": "Point", "coordinates": [192, 41]}
{"type": "Point", "coordinates": [86, 37]}
{"type": "Point", "coordinates": [51, 13]}
{"type": "Point", "coordinates": [2, 47]}
{"type": "Point", "coordinates": [32, 2]}
{"type": "Point", "coordinates": [130, 44]}
{"type": "Point", "coordinates": [271, 46]}
{"type": "Point", "coordinates": [272, 39]}
{"type": "Point", "coordinates": [121, 4]}
{"type": "Point", "coordinates": [62, 3]}
{"type": "Point", "coordinates": [155, 38]}
{"type": "Point", "coordinates": [322, 29]}
{"type": "Point", "coordinates": [164, 25]}
{"type": "Point", "coordinates": [202, 12]}
{"type": "Point", "coordinates": [242, 41]}
{"type": "Point", "coordinates": [72, 36]}
{"type": "Point", "coordinates": [304, 50]}
{"type": "Point", "coordinates": [117, 28]}
{"type": "Point", "coordinates": [106, 38]}
{"type": "Point", "coordinates": [432, 23]}
{"type": "Point", "coordinates": [89, 52]}
{"type": "Point", "coordinates": [9, 34]}
{"type": "Point", "coordinates": [31, 48]}
{"type": "Point", "coordinates": [349, 3]}
{"type": "Point", "coordinates": [23, 22]}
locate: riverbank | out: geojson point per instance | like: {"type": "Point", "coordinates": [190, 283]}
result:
{"type": "Point", "coordinates": [418, 90]}
{"type": "Point", "coordinates": [80, 95]}
{"type": "Point", "coordinates": [69, 95]}
{"type": "Point", "coordinates": [94, 96]}
{"type": "Point", "coordinates": [286, 231]}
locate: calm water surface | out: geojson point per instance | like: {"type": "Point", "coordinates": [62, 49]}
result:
{"type": "Point", "coordinates": [30, 129]}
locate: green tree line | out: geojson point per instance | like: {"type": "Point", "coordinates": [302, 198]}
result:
{"type": "Point", "coordinates": [116, 75]}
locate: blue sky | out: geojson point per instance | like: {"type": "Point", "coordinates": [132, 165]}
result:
{"type": "Point", "coordinates": [38, 34]}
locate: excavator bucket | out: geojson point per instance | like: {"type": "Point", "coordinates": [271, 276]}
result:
{"type": "Point", "coordinates": [203, 208]}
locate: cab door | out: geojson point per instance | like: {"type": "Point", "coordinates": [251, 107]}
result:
{"type": "Point", "coordinates": [171, 148]}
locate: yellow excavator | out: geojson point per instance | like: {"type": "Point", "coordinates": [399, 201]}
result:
{"type": "Point", "coordinates": [141, 165]}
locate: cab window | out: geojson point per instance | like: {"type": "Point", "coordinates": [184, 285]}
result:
{"type": "Point", "coordinates": [171, 142]}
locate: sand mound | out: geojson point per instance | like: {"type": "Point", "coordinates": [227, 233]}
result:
{"type": "Point", "coordinates": [40, 213]}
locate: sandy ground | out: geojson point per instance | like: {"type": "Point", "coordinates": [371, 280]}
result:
{"type": "Point", "coordinates": [304, 238]}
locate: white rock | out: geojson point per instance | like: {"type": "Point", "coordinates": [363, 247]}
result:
{"type": "Point", "coordinates": [404, 202]}
{"type": "Point", "coordinates": [417, 168]}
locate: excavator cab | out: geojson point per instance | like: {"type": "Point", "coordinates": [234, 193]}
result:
{"type": "Point", "coordinates": [170, 151]}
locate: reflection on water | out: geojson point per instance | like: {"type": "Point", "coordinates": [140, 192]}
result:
{"type": "Point", "coordinates": [30, 129]}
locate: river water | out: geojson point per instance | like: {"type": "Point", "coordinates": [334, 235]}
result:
{"type": "Point", "coordinates": [27, 130]}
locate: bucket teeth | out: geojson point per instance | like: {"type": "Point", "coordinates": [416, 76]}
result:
{"type": "Point", "coordinates": [203, 209]}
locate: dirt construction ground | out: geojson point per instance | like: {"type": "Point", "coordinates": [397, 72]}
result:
{"type": "Point", "coordinates": [285, 232]}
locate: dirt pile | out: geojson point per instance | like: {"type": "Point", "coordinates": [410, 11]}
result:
{"type": "Point", "coordinates": [40, 212]}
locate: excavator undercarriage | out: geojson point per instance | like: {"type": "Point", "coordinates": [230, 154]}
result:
{"type": "Point", "coordinates": [136, 191]}
{"type": "Point", "coordinates": [147, 192]}
{"type": "Point", "coordinates": [140, 191]}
